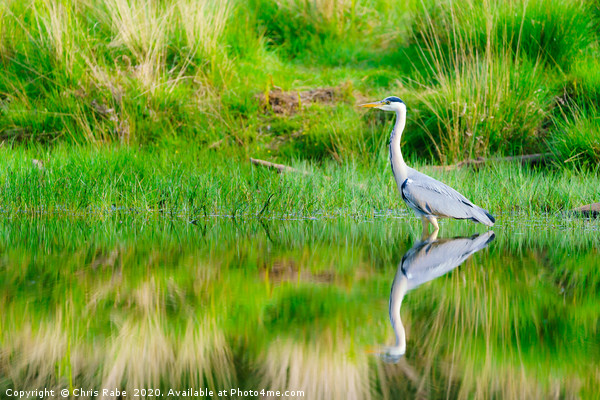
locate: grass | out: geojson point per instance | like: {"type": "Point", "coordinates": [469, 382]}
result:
{"type": "Point", "coordinates": [479, 78]}
{"type": "Point", "coordinates": [577, 137]}
{"type": "Point", "coordinates": [200, 184]}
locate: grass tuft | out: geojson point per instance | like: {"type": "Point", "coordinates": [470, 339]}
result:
{"type": "Point", "coordinates": [576, 139]}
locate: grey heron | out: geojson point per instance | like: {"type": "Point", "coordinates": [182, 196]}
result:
{"type": "Point", "coordinates": [426, 261]}
{"type": "Point", "coordinates": [429, 198]}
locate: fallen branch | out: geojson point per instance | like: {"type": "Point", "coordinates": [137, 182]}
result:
{"type": "Point", "coordinates": [215, 144]}
{"type": "Point", "coordinates": [279, 167]}
{"type": "Point", "coordinates": [589, 210]}
{"type": "Point", "coordinates": [528, 159]}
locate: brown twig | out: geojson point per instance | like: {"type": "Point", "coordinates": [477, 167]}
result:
{"type": "Point", "coordinates": [589, 210]}
{"type": "Point", "coordinates": [279, 167]}
{"type": "Point", "coordinates": [528, 158]}
{"type": "Point", "coordinates": [215, 144]}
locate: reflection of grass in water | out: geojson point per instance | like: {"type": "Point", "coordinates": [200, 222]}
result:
{"type": "Point", "coordinates": [323, 369]}
{"type": "Point", "coordinates": [196, 300]}
{"type": "Point", "coordinates": [138, 355]}
{"type": "Point", "coordinates": [503, 330]}
{"type": "Point", "coordinates": [32, 358]}
{"type": "Point", "coordinates": [143, 353]}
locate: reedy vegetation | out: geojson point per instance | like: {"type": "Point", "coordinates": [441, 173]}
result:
{"type": "Point", "coordinates": [198, 184]}
{"type": "Point", "coordinates": [479, 78]}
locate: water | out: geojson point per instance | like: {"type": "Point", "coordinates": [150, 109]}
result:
{"type": "Point", "coordinates": [156, 306]}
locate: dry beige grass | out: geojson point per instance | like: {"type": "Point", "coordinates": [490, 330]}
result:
{"type": "Point", "coordinates": [56, 29]}
{"type": "Point", "coordinates": [141, 354]}
{"type": "Point", "coordinates": [142, 27]}
{"type": "Point", "coordinates": [321, 370]}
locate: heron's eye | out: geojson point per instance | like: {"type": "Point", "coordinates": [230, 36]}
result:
{"type": "Point", "coordinates": [387, 102]}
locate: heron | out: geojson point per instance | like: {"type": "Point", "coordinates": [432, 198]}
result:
{"type": "Point", "coordinates": [429, 198]}
{"type": "Point", "coordinates": [424, 262]}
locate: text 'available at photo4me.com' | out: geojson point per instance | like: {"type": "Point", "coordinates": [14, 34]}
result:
{"type": "Point", "coordinates": [44, 393]}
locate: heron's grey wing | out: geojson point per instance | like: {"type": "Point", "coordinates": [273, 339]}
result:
{"type": "Point", "coordinates": [432, 260]}
{"type": "Point", "coordinates": [432, 197]}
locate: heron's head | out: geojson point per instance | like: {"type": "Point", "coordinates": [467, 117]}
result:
{"type": "Point", "coordinates": [391, 103]}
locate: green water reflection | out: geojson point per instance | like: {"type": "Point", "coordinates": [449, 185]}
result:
{"type": "Point", "coordinates": [134, 301]}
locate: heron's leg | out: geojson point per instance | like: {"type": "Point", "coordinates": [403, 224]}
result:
{"type": "Point", "coordinates": [433, 221]}
{"type": "Point", "coordinates": [432, 237]}
{"type": "Point", "coordinates": [425, 222]}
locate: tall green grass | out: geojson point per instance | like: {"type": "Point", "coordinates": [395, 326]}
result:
{"type": "Point", "coordinates": [193, 184]}
{"type": "Point", "coordinates": [489, 74]}
{"type": "Point", "coordinates": [576, 138]}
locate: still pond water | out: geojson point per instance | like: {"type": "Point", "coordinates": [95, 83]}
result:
{"type": "Point", "coordinates": [332, 308]}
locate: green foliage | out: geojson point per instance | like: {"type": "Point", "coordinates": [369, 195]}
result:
{"type": "Point", "coordinates": [542, 31]}
{"type": "Point", "coordinates": [555, 33]}
{"type": "Point", "coordinates": [576, 138]}
{"type": "Point", "coordinates": [488, 73]}
{"type": "Point", "coordinates": [328, 32]}
{"type": "Point", "coordinates": [478, 78]}
{"type": "Point", "coordinates": [488, 106]}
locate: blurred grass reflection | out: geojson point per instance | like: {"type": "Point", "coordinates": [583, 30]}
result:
{"type": "Point", "coordinates": [154, 301]}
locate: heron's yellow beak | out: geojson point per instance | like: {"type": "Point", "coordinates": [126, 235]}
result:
{"type": "Point", "coordinates": [372, 350]}
{"type": "Point", "coordinates": [371, 105]}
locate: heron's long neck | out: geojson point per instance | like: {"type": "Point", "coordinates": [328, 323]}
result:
{"type": "Point", "coordinates": [399, 289]}
{"type": "Point", "coordinates": [399, 168]}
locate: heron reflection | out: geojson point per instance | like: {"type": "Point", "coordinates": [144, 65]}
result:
{"type": "Point", "coordinates": [425, 261]}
